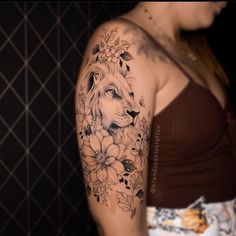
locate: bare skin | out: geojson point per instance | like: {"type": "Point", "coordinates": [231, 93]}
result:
{"type": "Point", "coordinates": [126, 79]}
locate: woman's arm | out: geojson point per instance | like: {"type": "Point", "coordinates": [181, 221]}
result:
{"type": "Point", "coordinates": [114, 108]}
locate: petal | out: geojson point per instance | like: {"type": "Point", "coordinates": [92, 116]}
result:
{"type": "Point", "coordinates": [82, 110]}
{"type": "Point", "coordinates": [109, 160]}
{"type": "Point", "coordinates": [95, 167]}
{"type": "Point", "coordinates": [99, 136]}
{"type": "Point", "coordinates": [112, 175]}
{"type": "Point", "coordinates": [86, 109]}
{"type": "Point", "coordinates": [81, 118]}
{"type": "Point", "coordinates": [94, 143]}
{"type": "Point", "coordinates": [134, 152]}
{"type": "Point", "coordinates": [98, 166]}
{"type": "Point", "coordinates": [85, 123]}
{"type": "Point", "coordinates": [107, 141]}
{"type": "Point", "coordinates": [137, 145]}
{"type": "Point", "coordinates": [86, 141]}
{"type": "Point", "coordinates": [104, 133]}
{"type": "Point", "coordinates": [114, 59]}
{"type": "Point", "coordinates": [93, 176]}
{"type": "Point", "coordinates": [102, 174]}
{"type": "Point", "coordinates": [98, 126]}
{"type": "Point", "coordinates": [88, 151]}
{"type": "Point", "coordinates": [89, 119]}
{"type": "Point", "coordinates": [141, 146]}
{"type": "Point", "coordinates": [90, 161]}
{"type": "Point", "coordinates": [122, 149]}
{"type": "Point", "coordinates": [113, 150]}
{"type": "Point", "coordinates": [118, 166]}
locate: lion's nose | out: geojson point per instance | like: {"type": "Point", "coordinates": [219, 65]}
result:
{"type": "Point", "coordinates": [133, 114]}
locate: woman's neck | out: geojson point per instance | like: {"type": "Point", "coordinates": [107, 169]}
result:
{"type": "Point", "coordinates": [160, 13]}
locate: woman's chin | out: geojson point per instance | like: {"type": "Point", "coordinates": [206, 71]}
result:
{"type": "Point", "coordinates": [208, 23]}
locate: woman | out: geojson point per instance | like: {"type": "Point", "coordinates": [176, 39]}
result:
{"type": "Point", "coordinates": [154, 125]}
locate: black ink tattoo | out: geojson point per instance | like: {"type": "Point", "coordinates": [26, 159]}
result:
{"type": "Point", "coordinates": [146, 45]}
{"type": "Point", "coordinates": [113, 136]}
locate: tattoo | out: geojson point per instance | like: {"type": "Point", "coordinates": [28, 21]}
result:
{"type": "Point", "coordinates": [146, 45]}
{"type": "Point", "coordinates": [113, 136]}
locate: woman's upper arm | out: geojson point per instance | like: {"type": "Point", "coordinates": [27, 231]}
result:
{"type": "Point", "coordinates": [114, 107]}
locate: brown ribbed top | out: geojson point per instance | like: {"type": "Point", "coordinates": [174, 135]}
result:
{"type": "Point", "coordinates": [191, 151]}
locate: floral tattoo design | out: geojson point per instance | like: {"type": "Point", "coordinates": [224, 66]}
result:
{"type": "Point", "coordinates": [113, 136]}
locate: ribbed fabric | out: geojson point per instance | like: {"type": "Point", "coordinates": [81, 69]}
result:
{"type": "Point", "coordinates": [195, 155]}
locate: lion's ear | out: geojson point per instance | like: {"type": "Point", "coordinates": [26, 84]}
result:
{"type": "Point", "coordinates": [123, 67]}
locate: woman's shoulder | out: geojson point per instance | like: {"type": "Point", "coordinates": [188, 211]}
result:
{"type": "Point", "coordinates": [119, 27]}
{"type": "Point", "coordinates": [121, 40]}
{"type": "Point", "coordinates": [128, 29]}
{"type": "Point", "coordinates": [123, 23]}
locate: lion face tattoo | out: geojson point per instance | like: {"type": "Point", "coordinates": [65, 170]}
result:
{"type": "Point", "coordinates": [111, 99]}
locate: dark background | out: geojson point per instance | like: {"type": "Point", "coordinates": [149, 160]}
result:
{"type": "Point", "coordinates": [41, 47]}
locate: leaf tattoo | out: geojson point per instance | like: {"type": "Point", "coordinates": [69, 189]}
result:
{"type": "Point", "coordinates": [126, 203]}
{"type": "Point", "coordinates": [136, 180]}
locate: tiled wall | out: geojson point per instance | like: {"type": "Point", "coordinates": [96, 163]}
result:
{"type": "Point", "coordinates": [41, 46]}
{"type": "Point", "coordinates": [40, 174]}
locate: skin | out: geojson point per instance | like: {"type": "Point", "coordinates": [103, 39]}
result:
{"type": "Point", "coordinates": [173, 17]}
{"type": "Point", "coordinates": [199, 14]}
{"type": "Point", "coordinates": [116, 98]}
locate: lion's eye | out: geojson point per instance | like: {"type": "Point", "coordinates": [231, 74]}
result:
{"type": "Point", "coordinates": [113, 93]}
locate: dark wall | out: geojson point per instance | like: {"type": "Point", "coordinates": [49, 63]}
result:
{"type": "Point", "coordinates": [221, 37]}
{"type": "Point", "coordinates": [41, 47]}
